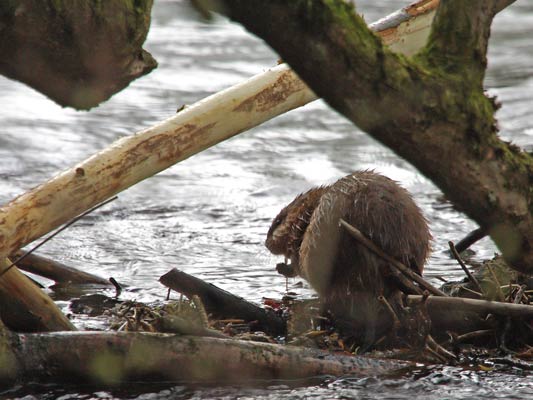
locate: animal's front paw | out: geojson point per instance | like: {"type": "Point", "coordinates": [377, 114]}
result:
{"type": "Point", "coordinates": [286, 270]}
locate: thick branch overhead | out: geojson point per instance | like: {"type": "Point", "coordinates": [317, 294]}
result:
{"type": "Point", "coordinates": [459, 38]}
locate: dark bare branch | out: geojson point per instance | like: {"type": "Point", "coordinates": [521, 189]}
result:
{"type": "Point", "coordinates": [471, 277]}
{"type": "Point", "coordinates": [223, 304]}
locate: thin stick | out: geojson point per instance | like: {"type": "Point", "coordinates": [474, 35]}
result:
{"type": "Point", "coordinates": [434, 353]}
{"type": "Point", "coordinates": [471, 277]}
{"type": "Point", "coordinates": [72, 221]}
{"type": "Point", "coordinates": [501, 296]}
{"type": "Point", "coordinates": [357, 235]}
{"type": "Point", "coordinates": [408, 286]}
{"type": "Point", "coordinates": [471, 291]}
{"type": "Point", "coordinates": [441, 350]}
{"type": "Point", "coordinates": [470, 239]}
{"type": "Point", "coordinates": [471, 335]}
{"type": "Point", "coordinates": [395, 320]}
{"type": "Point", "coordinates": [118, 288]}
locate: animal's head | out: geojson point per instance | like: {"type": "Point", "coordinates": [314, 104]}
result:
{"type": "Point", "coordinates": [287, 229]}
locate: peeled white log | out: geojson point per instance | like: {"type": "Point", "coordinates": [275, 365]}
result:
{"type": "Point", "coordinates": [202, 125]}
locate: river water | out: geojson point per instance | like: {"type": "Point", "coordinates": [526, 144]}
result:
{"type": "Point", "coordinates": [209, 214]}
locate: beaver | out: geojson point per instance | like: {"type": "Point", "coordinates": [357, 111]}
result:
{"type": "Point", "coordinates": [346, 275]}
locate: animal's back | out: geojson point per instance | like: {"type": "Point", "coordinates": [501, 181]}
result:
{"type": "Point", "coordinates": [334, 263]}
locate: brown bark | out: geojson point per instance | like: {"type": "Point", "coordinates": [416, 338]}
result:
{"type": "Point", "coordinates": [112, 358]}
{"type": "Point", "coordinates": [77, 52]}
{"type": "Point", "coordinates": [427, 108]}
{"type": "Point", "coordinates": [222, 304]}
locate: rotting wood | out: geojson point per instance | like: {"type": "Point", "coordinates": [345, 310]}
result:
{"type": "Point", "coordinates": [222, 304]}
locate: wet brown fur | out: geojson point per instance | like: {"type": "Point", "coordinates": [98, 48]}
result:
{"type": "Point", "coordinates": [288, 228]}
{"type": "Point", "coordinates": [346, 275]}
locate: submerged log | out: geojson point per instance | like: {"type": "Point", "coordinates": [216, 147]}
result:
{"type": "Point", "coordinates": [78, 53]}
{"type": "Point", "coordinates": [26, 308]}
{"type": "Point", "coordinates": [112, 358]}
{"type": "Point", "coordinates": [56, 271]}
{"type": "Point", "coordinates": [222, 304]}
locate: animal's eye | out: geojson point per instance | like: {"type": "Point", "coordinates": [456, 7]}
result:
{"type": "Point", "coordinates": [277, 221]}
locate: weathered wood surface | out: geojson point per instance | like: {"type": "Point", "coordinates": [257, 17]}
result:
{"type": "Point", "coordinates": [112, 358]}
{"type": "Point", "coordinates": [222, 304]}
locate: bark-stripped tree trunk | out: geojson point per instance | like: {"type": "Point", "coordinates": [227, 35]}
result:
{"type": "Point", "coordinates": [430, 109]}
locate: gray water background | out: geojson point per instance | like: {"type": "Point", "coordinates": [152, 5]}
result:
{"type": "Point", "coordinates": [209, 214]}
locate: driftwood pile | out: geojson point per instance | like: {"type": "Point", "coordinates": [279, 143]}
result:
{"type": "Point", "coordinates": [217, 336]}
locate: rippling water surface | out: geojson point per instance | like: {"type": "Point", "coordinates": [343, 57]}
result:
{"type": "Point", "coordinates": [209, 214]}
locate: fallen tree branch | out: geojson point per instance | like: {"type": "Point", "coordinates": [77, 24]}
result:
{"type": "Point", "coordinates": [481, 307]}
{"type": "Point", "coordinates": [471, 277]}
{"type": "Point", "coordinates": [111, 358]}
{"type": "Point", "coordinates": [470, 239]}
{"type": "Point", "coordinates": [222, 304]}
{"type": "Point", "coordinates": [54, 270]}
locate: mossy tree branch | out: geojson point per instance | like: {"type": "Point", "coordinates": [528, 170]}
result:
{"type": "Point", "coordinates": [459, 38]}
{"type": "Point", "coordinates": [429, 109]}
